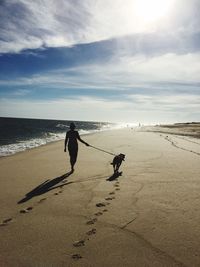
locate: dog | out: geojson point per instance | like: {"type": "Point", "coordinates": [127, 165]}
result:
{"type": "Point", "coordinates": [117, 161]}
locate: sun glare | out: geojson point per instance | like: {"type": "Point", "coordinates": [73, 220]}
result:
{"type": "Point", "coordinates": [152, 10]}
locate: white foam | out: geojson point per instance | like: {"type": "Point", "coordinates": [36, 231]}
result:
{"type": "Point", "coordinates": [11, 149]}
{"type": "Point", "coordinates": [7, 150]}
{"type": "Point", "coordinates": [62, 126]}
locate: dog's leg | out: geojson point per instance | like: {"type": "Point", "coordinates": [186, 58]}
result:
{"type": "Point", "coordinates": [117, 167]}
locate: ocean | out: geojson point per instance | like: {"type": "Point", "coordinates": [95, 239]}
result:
{"type": "Point", "coordinates": [21, 134]}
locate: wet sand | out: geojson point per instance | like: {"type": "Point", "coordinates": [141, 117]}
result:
{"type": "Point", "coordinates": [148, 216]}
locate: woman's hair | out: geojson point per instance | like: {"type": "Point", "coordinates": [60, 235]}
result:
{"type": "Point", "coordinates": [72, 126]}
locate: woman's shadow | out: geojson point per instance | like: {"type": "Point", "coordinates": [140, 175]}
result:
{"type": "Point", "coordinates": [46, 186]}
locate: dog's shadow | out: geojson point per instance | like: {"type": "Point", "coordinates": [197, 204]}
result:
{"type": "Point", "coordinates": [114, 176]}
{"type": "Point", "coordinates": [46, 186]}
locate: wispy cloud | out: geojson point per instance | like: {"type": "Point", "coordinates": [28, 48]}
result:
{"type": "Point", "coordinates": [167, 102]}
{"type": "Point", "coordinates": [34, 24]}
{"type": "Point", "coordinates": [21, 92]}
{"type": "Point", "coordinates": [169, 70]}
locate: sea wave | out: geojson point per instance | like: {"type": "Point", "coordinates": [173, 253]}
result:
{"type": "Point", "coordinates": [48, 137]}
{"type": "Point", "coordinates": [62, 126]}
{"type": "Point", "coordinates": [7, 150]}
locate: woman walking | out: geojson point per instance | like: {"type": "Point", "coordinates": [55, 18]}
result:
{"type": "Point", "coordinates": [71, 140]}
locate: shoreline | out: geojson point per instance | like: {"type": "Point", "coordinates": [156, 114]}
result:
{"type": "Point", "coordinates": [55, 141]}
{"type": "Point", "coordinates": [180, 129]}
{"type": "Point", "coordinates": [28, 142]}
{"type": "Point", "coordinates": [173, 129]}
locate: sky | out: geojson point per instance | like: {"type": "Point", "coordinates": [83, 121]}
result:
{"type": "Point", "coordinates": [100, 60]}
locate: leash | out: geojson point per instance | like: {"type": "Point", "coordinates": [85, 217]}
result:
{"type": "Point", "coordinates": [103, 150]}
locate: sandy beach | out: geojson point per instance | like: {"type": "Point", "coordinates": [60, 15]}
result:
{"type": "Point", "coordinates": [148, 216]}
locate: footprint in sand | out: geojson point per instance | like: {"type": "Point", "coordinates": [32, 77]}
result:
{"type": "Point", "coordinates": [91, 221]}
{"type": "Point", "coordinates": [5, 222]}
{"type": "Point", "coordinates": [76, 256]}
{"type": "Point", "coordinates": [92, 232]}
{"type": "Point", "coordinates": [56, 194]}
{"type": "Point", "coordinates": [116, 185]}
{"type": "Point", "coordinates": [98, 213]}
{"type": "Point", "coordinates": [105, 210]}
{"type": "Point", "coordinates": [101, 204]}
{"type": "Point", "coordinates": [41, 200]}
{"type": "Point", "coordinates": [109, 198]}
{"type": "Point", "coordinates": [26, 210]}
{"type": "Point", "coordinates": [111, 193]}
{"type": "Point", "coordinates": [117, 189]}
{"type": "Point", "coordinates": [79, 243]}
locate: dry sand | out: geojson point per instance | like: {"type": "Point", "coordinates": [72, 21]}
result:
{"type": "Point", "coordinates": [149, 216]}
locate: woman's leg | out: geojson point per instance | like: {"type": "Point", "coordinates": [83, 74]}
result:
{"type": "Point", "coordinates": [73, 157]}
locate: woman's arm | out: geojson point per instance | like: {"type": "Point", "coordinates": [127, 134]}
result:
{"type": "Point", "coordinates": [66, 140]}
{"type": "Point", "coordinates": [81, 140]}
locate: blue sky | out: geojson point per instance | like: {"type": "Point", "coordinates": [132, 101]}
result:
{"type": "Point", "coordinates": [100, 60]}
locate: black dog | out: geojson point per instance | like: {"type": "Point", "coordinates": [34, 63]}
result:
{"type": "Point", "coordinates": [117, 161]}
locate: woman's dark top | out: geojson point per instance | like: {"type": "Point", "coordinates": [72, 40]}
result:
{"type": "Point", "coordinates": [72, 137]}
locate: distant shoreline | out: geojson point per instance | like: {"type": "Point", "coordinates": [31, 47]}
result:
{"type": "Point", "coordinates": [185, 129]}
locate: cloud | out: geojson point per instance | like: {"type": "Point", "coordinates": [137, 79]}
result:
{"type": "Point", "coordinates": [49, 23]}
{"type": "Point", "coordinates": [33, 24]}
{"type": "Point", "coordinates": [168, 67]}
{"type": "Point", "coordinates": [163, 88]}
{"type": "Point", "coordinates": [168, 71]}
{"type": "Point", "coordinates": [167, 102]}
{"type": "Point", "coordinates": [21, 92]}
{"type": "Point", "coordinates": [138, 108]}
